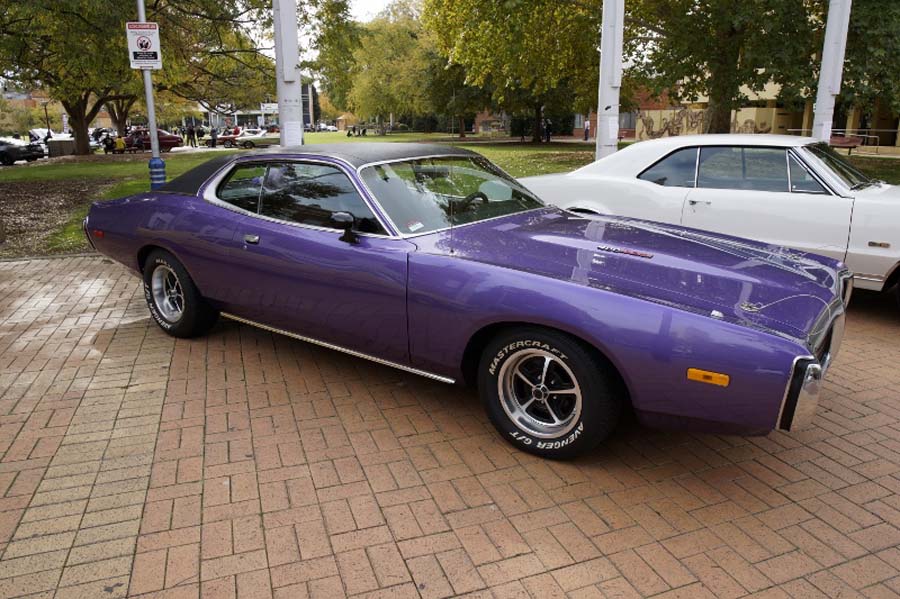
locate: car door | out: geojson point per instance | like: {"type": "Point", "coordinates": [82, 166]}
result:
{"type": "Point", "coordinates": [660, 190]}
{"type": "Point", "coordinates": [766, 194]}
{"type": "Point", "coordinates": [296, 274]}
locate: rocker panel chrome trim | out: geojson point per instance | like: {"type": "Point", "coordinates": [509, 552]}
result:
{"type": "Point", "coordinates": [429, 375]}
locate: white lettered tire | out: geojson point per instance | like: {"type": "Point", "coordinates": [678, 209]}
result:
{"type": "Point", "coordinates": [174, 301]}
{"type": "Point", "coordinates": [547, 393]}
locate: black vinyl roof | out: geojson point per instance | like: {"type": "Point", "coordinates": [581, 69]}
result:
{"type": "Point", "coordinates": [356, 154]}
{"type": "Point", "coordinates": [190, 182]}
{"type": "Point", "coordinates": [360, 153]}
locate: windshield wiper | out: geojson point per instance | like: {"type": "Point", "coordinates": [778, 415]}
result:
{"type": "Point", "coordinates": [860, 185]}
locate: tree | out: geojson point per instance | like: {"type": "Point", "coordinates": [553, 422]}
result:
{"type": "Point", "coordinates": [448, 91]}
{"type": "Point", "coordinates": [871, 67]}
{"type": "Point", "coordinates": [37, 47]}
{"type": "Point", "coordinates": [336, 38]}
{"type": "Point", "coordinates": [524, 50]}
{"type": "Point", "coordinates": [329, 111]}
{"type": "Point", "coordinates": [390, 66]}
{"type": "Point", "coordinates": [76, 49]}
{"type": "Point", "coordinates": [714, 47]}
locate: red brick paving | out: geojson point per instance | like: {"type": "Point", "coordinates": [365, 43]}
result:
{"type": "Point", "coordinates": [249, 465]}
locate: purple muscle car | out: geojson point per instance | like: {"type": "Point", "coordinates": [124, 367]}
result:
{"type": "Point", "coordinates": [432, 260]}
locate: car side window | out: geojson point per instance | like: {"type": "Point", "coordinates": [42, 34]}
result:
{"type": "Point", "coordinates": [310, 193]}
{"type": "Point", "coordinates": [242, 186]}
{"type": "Point", "coordinates": [675, 170]}
{"type": "Point", "coordinates": [752, 169]}
{"type": "Point", "coordinates": [802, 180]}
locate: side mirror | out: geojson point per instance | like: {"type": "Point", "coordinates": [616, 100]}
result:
{"type": "Point", "coordinates": [345, 222]}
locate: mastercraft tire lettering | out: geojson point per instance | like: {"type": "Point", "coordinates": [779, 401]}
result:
{"type": "Point", "coordinates": [547, 393]}
{"type": "Point", "coordinates": [174, 302]}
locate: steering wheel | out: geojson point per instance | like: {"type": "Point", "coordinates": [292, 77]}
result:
{"type": "Point", "coordinates": [475, 195]}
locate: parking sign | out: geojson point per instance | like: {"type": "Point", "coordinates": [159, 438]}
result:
{"type": "Point", "coordinates": [143, 45]}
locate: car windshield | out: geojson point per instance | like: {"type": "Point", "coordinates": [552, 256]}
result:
{"type": "Point", "coordinates": [846, 172]}
{"type": "Point", "coordinates": [426, 194]}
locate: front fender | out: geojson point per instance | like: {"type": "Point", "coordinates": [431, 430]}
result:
{"type": "Point", "coordinates": [652, 345]}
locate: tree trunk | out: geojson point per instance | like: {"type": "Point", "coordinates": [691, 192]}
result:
{"type": "Point", "coordinates": [462, 126]}
{"type": "Point", "coordinates": [79, 124]}
{"type": "Point", "coordinates": [81, 114]}
{"type": "Point", "coordinates": [724, 85]}
{"type": "Point", "coordinates": [536, 133]}
{"type": "Point", "coordinates": [119, 111]}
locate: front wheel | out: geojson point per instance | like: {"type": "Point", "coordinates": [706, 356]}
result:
{"type": "Point", "coordinates": [248, 145]}
{"type": "Point", "coordinates": [547, 393]}
{"type": "Point", "coordinates": [174, 301]}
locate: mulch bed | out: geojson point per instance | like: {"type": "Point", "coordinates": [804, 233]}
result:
{"type": "Point", "coordinates": [31, 211]}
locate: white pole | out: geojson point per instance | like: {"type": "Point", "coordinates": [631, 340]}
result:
{"type": "Point", "coordinates": [287, 55]}
{"type": "Point", "coordinates": [157, 166]}
{"type": "Point", "coordinates": [610, 77]}
{"type": "Point", "coordinates": [832, 67]}
{"type": "Point", "coordinates": [309, 90]}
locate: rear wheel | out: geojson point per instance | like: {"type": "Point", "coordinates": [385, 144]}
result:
{"type": "Point", "coordinates": [6, 160]}
{"type": "Point", "coordinates": [174, 301]}
{"type": "Point", "coordinates": [547, 393]}
{"type": "Point", "coordinates": [248, 145]}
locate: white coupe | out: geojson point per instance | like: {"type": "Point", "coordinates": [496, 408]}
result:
{"type": "Point", "coordinates": [780, 189]}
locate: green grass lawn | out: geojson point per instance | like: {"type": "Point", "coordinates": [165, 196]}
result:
{"type": "Point", "coordinates": [121, 176]}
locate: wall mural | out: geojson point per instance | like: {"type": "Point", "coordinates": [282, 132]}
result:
{"type": "Point", "coordinates": [685, 121]}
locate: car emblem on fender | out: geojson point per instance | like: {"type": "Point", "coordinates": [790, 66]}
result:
{"type": "Point", "coordinates": [627, 252]}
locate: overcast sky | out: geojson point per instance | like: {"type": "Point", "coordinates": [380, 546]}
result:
{"type": "Point", "coordinates": [365, 10]}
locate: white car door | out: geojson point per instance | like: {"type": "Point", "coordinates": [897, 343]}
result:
{"type": "Point", "coordinates": [767, 194]}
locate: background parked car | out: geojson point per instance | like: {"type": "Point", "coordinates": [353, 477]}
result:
{"type": "Point", "coordinates": [781, 189]}
{"type": "Point", "coordinates": [140, 139]}
{"type": "Point", "coordinates": [13, 150]}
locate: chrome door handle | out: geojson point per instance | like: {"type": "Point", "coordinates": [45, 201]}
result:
{"type": "Point", "coordinates": [252, 239]}
{"type": "Point", "coordinates": [695, 202]}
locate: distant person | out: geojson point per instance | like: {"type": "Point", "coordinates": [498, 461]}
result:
{"type": "Point", "coordinates": [213, 136]}
{"type": "Point", "coordinates": [119, 144]}
{"type": "Point", "coordinates": [587, 129]}
{"type": "Point", "coordinates": [192, 136]}
{"type": "Point", "coordinates": [547, 126]}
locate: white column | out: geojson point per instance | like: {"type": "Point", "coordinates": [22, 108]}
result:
{"type": "Point", "coordinates": [610, 77]}
{"type": "Point", "coordinates": [312, 114]}
{"type": "Point", "coordinates": [287, 75]}
{"type": "Point", "coordinates": [832, 67]}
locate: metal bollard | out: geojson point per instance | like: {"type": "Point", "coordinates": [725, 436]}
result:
{"type": "Point", "coordinates": [157, 173]}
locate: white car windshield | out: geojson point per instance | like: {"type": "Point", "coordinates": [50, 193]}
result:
{"type": "Point", "coordinates": [428, 194]}
{"type": "Point", "coordinates": [827, 158]}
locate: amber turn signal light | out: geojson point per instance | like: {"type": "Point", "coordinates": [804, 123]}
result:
{"type": "Point", "coordinates": [706, 376]}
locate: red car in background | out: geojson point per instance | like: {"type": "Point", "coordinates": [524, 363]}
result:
{"type": "Point", "coordinates": [139, 139]}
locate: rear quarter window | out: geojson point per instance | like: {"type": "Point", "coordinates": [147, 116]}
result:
{"type": "Point", "coordinates": [678, 169]}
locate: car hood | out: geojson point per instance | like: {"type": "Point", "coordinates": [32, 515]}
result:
{"type": "Point", "coordinates": [769, 287]}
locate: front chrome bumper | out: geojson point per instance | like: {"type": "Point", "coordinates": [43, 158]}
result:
{"type": "Point", "coordinates": [801, 398]}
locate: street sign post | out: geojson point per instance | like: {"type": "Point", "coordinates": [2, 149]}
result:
{"type": "Point", "coordinates": [143, 45]}
{"type": "Point", "coordinates": [144, 54]}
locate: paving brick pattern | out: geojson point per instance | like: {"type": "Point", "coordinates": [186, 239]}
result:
{"type": "Point", "coordinates": [248, 465]}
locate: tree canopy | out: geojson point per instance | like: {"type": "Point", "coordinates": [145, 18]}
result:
{"type": "Point", "coordinates": [76, 49]}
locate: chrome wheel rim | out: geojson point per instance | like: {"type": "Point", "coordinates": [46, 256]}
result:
{"type": "Point", "coordinates": [168, 296]}
{"type": "Point", "coordinates": [540, 393]}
